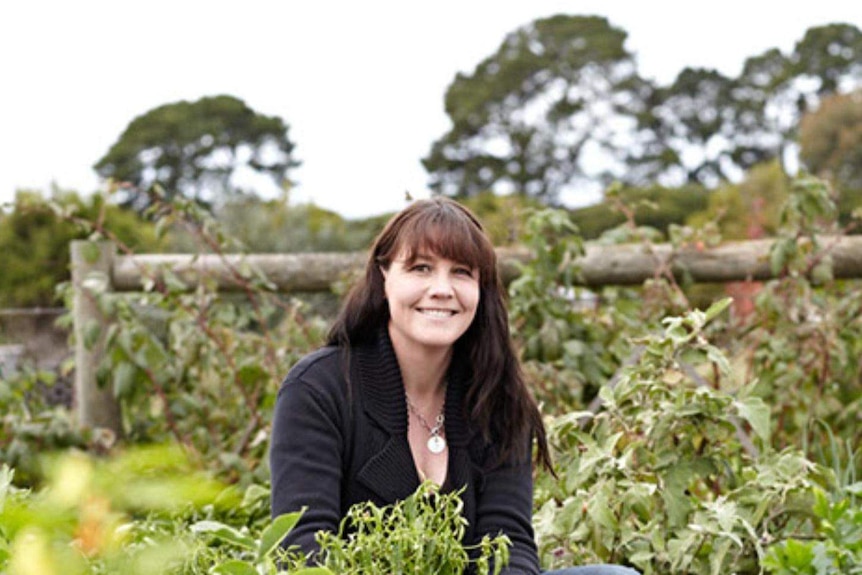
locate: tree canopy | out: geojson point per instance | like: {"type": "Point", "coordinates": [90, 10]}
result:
{"type": "Point", "coordinates": [561, 104]}
{"type": "Point", "coordinates": [200, 150]}
{"type": "Point", "coordinates": [526, 117]}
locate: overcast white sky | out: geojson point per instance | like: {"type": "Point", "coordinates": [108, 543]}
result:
{"type": "Point", "coordinates": [361, 83]}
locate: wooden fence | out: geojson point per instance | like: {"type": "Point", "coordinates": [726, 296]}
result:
{"type": "Point", "coordinates": [97, 267]}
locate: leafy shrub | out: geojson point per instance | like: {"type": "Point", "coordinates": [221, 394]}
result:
{"type": "Point", "coordinates": [834, 548]}
{"type": "Point", "coordinates": [568, 353]}
{"type": "Point", "coordinates": [198, 367]}
{"type": "Point", "coordinates": [82, 521]}
{"type": "Point", "coordinates": [804, 342]}
{"type": "Point", "coordinates": [35, 236]}
{"type": "Point", "coordinates": [31, 426]}
{"type": "Point", "coordinates": [666, 476]}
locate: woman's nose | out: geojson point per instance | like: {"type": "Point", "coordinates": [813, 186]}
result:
{"type": "Point", "coordinates": [441, 286]}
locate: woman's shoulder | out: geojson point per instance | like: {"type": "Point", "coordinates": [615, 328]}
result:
{"type": "Point", "coordinates": [319, 368]}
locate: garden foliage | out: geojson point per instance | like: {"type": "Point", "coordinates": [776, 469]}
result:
{"type": "Point", "coordinates": [147, 511]}
{"type": "Point", "coordinates": [686, 441]}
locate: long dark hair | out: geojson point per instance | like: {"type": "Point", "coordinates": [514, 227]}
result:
{"type": "Point", "coordinates": [498, 401]}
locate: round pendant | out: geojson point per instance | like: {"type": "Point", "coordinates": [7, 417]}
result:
{"type": "Point", "coordinates": [436, 444]}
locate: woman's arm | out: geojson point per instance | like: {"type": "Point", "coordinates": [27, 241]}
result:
{"type": "Point", "coordinates": [306, 454]}
{"type": "Point", "coordinates": [505, 506]}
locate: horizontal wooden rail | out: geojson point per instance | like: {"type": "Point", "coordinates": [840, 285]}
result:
{"type": "Point", "coordinates": [628, 264]}
{"type": "Point", "coordinates": [632, 264]}
{"type": "Point", "coordinates": [288, 272]}
{"type": "Point", "coordinates": [307, 272]}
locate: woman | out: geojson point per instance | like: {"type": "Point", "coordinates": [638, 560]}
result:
{"type": "Point", "coordinates": [419, 380]}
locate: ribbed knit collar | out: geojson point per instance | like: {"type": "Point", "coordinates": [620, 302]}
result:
{"type": "Point", "coordinates": [382, 390]}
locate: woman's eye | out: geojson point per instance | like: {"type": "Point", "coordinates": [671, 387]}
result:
{"type": "Point", "coordinates": [464, 272]}
{"type": "Point", "coordinates": [420, 268]}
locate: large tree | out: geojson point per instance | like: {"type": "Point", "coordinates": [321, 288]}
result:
{"type": "Point", "coordinates": [774, 90]}
{"type": "Point", "coordinates": [831, 55]}
{"type": "Point", "coordinates": [686, 132]}
{"type": "Point", "coordinates": [765, 102]}
{"type": "Point", "coordinates": [556, 91]}
{"type": "Point", "coordinates": [709, 128]}
{"type": "Point", "coordinates": [198, 150]}
{"type": "Point", "coordinates": [561, 103]}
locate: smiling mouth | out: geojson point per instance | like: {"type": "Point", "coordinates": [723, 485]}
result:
{"type": "Point", "coordinates": [441, 313]}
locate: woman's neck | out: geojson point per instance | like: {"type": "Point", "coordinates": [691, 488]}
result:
{"type": "Point", "coordinates": [423, 369]}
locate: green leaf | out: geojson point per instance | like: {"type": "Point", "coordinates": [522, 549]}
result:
{"type": "Point", "coordinates": [756, 413]}
{"type": "Point", "coordinates": [254, 495]}
{"type": "Point", "coordinates": [92, 331]}
{"type": "Point", "coordinates": [162, 226]}
{"type": "Point", "coordinates": [716, 558]}
{"type": "Point", "coordinates": [780, 255]}
{"type": "Point", "coordinates": [716, 356]}
{"type": "Point", "coordinates": [600, 508]}
{"type": "Point", "coordinates": [252, 374]}
{"type": "Point", "coordinates": [225, 533]}
{"type": "Point", "coordinates": [313, 571]}
{"type": "Point", "coordinates": [798, 555]}
{"type": "Point", "coordinates": [173, 281]}
{"type": "Point", "coordinates": [676, 481]}
{"type": "Point", "coordinates": [717, 308]}
{"type": "Point", "coordinates": [274, 534]}
{"type": "Point", "coordinates": [124, 379]}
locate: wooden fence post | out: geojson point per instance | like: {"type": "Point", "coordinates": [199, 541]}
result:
{"type": "Point", "coordinates": [91, 275]}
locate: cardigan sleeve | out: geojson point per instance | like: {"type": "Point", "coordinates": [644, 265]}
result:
{"type": "Point", "coordinates": [306, 454]}
{"type": "Point", "coordinates": [505, 505]}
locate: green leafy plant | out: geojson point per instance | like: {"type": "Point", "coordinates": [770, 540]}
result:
{"type": "Point", "coordinates": [87, 518]}
{"type": "Point", "coordinates": [714, 446]}
{"type": "Point", "coordinates": [667, 477]}
{"type": "Point", "coordinates": [31, 426]}
{"type": "Point", "coordinates": [196, 366]}
{"type": "Point", "coordinates": [568, 353]}
{"type": "Point", "coordinates": [835, 548]}
{"type": "Point", "coordinates": [421, 534]}
{"type": "Point", "coordinates": [803, 342]}
{"type": "Point", "coordinates": [34, 240]}
{"type": "Point", "coordinates": [254, 555]}
{"type": "Point", "coordinates": [833, 543]}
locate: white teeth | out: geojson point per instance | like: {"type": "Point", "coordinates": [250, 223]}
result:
{"type": "Point", "coordinates": [437, 312]}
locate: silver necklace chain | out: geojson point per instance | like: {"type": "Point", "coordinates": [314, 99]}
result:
{"type": "Point", "coordinates": [436, 443]}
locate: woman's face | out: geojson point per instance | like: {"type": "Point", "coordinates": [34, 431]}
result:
{"type": "Point", "coordinates": [432, 301]}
